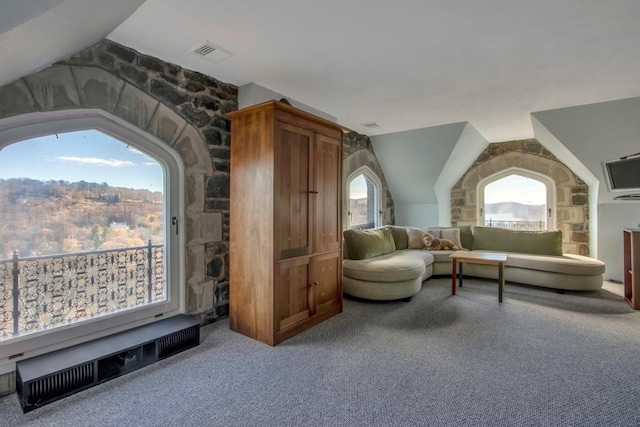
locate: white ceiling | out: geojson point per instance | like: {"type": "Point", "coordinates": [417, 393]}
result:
{"type": "Point", "coordinates": [408, 64]}
{"type": "Point", "coordinates": [405, 64]}
{"type": "Point", "coordinates": [35, 34]}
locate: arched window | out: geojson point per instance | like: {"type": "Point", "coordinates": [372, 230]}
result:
{"type": "Point", "coordinates": [517, 198]}
{"type": "Point", "coordinates": [89, 215]}
{"type": "Point", "coordinates": [364, 197]}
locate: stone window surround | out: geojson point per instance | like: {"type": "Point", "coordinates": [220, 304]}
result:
{"type": "Point", "coordinates": [16, 129]}
{"type": "Point", "coordinates": [543, 179]}
{"type": "Point", "coordinates": [179, 108]}
{"type": "Point", "coordinates": [572, 194]}
{"type": "Point", "coordinates": [357, 152]}
{"type": "Point", "coordinates": [371, 176]}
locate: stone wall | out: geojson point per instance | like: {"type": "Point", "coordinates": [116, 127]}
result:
{"type": "Point", "coordinates": [572, 194]}
{"type": "Point", "coordinates": [357, 151]}
{"type": "Point", "coordinates": [181, 108]}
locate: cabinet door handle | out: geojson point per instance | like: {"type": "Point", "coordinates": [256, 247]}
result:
{"type": "Point", "coordinates": [313, 192]}
{"type": "Point", "coordinates": [314, 284]}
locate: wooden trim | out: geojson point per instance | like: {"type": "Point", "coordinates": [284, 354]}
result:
{"type": "Point", "coordinates": [282, 107]}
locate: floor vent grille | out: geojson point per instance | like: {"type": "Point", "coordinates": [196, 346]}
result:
{"type": "Point", "coordinates": [47, 378]}
{"type": "Point", "coordinates": [175, 343]}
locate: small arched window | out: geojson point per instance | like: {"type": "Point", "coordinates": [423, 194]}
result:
{"type": "Point", "coordinates": [517, 198]}
{"type": "Point", "coordinates": [364, 198]}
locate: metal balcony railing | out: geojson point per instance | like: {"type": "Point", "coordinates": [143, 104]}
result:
{"type": "Point", "coordinates": [517, 225]}
{"type": "Point", "coordinates": [366, 226]}
{"type": "Point", "coordinates": [39, 293]}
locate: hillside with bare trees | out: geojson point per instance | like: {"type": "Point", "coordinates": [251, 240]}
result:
{"type": "Point", "coordinates": [52, 217]}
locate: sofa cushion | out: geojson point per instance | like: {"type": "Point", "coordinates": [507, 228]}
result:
{"type": "Point", "coordinates": [441, 256]}
{"type": "Point", "coordinates": [528, 242]}
{"type": "Point", "coordinates": [575, 265]}
{"type": "Point", "coordinates": [363, 244]}
{"type": "Point", "coordinates": [425, 256]}
{"type": "Point", "coordinates": [399, 236]}
{"type": "Point", "coordinates": [414, 237]}
{"type": "Point", "coordinates": [452, 234]}
{"type": "Point", "coordinates": [393, 267]}
{"type": "Point", "coordinates": [466, 235]}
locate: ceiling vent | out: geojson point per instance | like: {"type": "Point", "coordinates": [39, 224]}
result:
{"type": "Point", "coordinates": [211, 51]}
{"type": "Point", "coordinates": [371, 125]}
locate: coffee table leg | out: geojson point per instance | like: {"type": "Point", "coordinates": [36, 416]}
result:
{"type": "Point", "coordinates": [500, 280]}
{"type": "Point", "coordinates": [453, 277]}
{"type": "Point", "coordinates": [460, 274]}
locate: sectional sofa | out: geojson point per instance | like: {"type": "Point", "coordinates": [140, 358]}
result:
{"type": "Point", "coordinates": [389, 263]}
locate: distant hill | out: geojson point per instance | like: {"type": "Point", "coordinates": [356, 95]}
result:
{"type": "Point", "coordinates": [518, 211]}
{"type": "Point", "coordinates": [53, 217]}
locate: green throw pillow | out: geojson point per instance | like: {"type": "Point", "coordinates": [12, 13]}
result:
{"type": "Point", "coordinates": [525, 242]}
{"type": "Point", "coordinates": [399, 236]}
{"type": "Point", "coordinates": [363, 244]}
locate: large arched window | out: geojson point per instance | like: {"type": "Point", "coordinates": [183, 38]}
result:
{"type": "Point", "coordinates": [516, 198]}
{"type": "Point", "coordinates": [99, 250]}
{"type": "Point", "coordinates": [364, 197]}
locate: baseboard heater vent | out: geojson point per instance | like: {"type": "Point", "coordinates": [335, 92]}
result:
{"type": "Point", "coordinates": [49, 377]}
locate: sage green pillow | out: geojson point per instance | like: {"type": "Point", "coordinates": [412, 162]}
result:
{"type": "Point", "coordinates": [525, 242]}
{"type": "Point", "coordinates": [399, 236]}
{"type": "Point", "coordinates": [363, 244]}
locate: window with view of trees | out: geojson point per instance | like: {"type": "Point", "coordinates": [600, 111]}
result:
{"type": "Point", "coordinates": [364, 198]}
{"type": "Point", "coordinates": [82, 221]}
{"type": "Point", "coordinates": [515, 201]}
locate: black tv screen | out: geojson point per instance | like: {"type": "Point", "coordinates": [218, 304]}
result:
{"type": "Point", "coordinates": [623, 174]}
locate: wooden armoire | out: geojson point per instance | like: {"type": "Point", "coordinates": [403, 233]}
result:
{"type": "Point", "coordinates": [285, 255]}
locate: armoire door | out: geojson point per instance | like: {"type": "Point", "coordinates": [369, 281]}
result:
{"type": "Point", "coordinates": [293, 300]}
{"type": "Point", "coordinates": [326, 282]}
{"type": "Point", "coordinates": [293, 150]}
{"type": "Point", "coordinates": [326, 193]}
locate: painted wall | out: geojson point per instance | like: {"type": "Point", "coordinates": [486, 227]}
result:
{"type": "Point", "coordinates": [253, 94]}
{"type": "Point", "coordinates": [418, 215]}
{"type": "Point", "coordinates": [594, 133]}
{"type": "Point", "coordinates": [416, 158]}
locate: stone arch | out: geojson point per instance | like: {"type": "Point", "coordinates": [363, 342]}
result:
{"type": "Point", "coordinates": [571, 193]}
{"type": "Point", "coordinates": [550, 189]}
{"type": "Point", "coordinates": [357, 153]}
{"type": "Point", "coordinates": [370, 176]}
{"type": "Point", "coordinates": [180, 108]}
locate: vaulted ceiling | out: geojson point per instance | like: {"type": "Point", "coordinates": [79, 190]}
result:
{"type": "Point", "coordinates": [405, 64]}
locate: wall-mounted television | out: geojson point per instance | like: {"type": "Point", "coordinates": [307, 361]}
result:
{"type": "Point", "coordinates": [623, 174]}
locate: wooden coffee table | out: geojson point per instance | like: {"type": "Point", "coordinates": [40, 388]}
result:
{"type": "Point", "coordinates": [487, 258]}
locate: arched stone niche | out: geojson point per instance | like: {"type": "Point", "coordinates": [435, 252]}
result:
{"type": "Point", "coordinates": [572, 194]}
{"type": "Point", "coordinates": [178, 107]}
{"type": "Point", "coordinates": [357, 152]}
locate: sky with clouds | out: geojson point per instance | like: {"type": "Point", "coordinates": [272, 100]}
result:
{"type": "Point", "coordinates": [516, 188]}
{"type": "Point", "coordinates": [83, 155]}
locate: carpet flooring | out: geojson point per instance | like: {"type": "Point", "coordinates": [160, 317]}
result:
{"type": "Point", "coordinates": [538, 359]}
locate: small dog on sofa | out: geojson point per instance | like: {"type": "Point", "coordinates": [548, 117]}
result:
{"type": "Point", "coordinates": [434, 244]}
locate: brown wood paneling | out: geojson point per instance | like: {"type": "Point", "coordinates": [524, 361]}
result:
{"type": "Point", "coordinates": [251, 204]}
{"type": "Point", "coordinates": [631, 263]}
{"type": "Point", "coordinates": [326, 271]}
{"type": "Point", "coordinates": [293, 183]}
{"type": "Point", "coordinates": [292, 291]}
{"type": "Point", "coordinates": [327, 201]}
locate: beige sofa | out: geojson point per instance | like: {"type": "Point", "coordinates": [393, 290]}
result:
{"type": "Point", "coordinates": [383, 264]}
